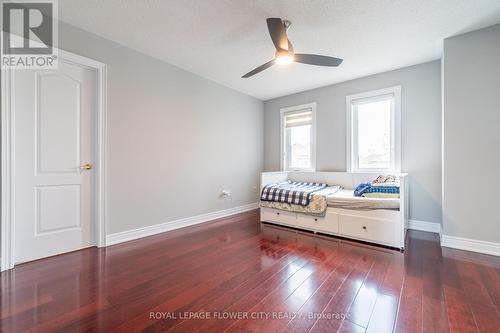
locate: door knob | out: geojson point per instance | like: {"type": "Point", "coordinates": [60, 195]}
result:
{"type": "Point", "coordinates": [87, 166]}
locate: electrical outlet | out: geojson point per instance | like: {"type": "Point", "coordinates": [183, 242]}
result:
{"type": "Point", "coordinates": [226, 193]}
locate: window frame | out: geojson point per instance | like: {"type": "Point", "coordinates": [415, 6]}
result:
{"type": "Point", "coordinates": [352, 128]}
{"type": "Point", "coordinates": [296, 108]}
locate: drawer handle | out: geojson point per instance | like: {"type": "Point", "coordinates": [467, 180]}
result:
{"type": "Point", "coordinates": [364, 227]}
{"type": "Point", "coordinates": [316, 220]}
{"type": "Point", "coordinates": [277, 213]}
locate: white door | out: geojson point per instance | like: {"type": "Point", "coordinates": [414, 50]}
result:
{"type": "Point", "coordinates": [53, 111]}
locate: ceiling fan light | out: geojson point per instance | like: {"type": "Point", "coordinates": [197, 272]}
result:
{"type": "Point", "coordinates": [284, 60]}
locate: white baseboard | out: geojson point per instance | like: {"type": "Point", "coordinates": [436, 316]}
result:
{"type": "Point", "coordinates": [460, 243]}
{"type": "Point", "coordinates": [128, 235]}
{"type": "Point", "coordinates": [473, 245]}
{"type": "Point", "coordinates": [424, 226]}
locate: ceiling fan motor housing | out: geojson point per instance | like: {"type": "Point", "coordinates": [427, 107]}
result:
{"type": "Point", "coordinates": [283, 53]}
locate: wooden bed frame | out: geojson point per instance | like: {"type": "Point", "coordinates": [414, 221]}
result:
{"type": "Point", "coordinates": [380, 226]}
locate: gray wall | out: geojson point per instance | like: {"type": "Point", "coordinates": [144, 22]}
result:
{"type": "Point", "coordinates": [471, 141]}
{"type": "Point", "coordinates": [175, 139]}
{"type": "Point", "coordinates": [421, 130]}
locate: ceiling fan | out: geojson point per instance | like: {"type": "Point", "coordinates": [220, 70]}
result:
{"type": "Point", "coordinates": [284, 50]}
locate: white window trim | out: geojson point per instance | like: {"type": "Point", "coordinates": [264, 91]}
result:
{"type": "Point", "coordinates": [311, 106]}
{"type": "Point", "coordinates": [395, 124]}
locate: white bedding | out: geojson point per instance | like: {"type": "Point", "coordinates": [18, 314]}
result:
{"type": "Point", "coordinates": [345, 199]}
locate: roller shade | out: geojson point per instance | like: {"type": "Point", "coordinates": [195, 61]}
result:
{"type": "Point", "coordinates": [372, 99]}
{"type": "Point", "coordinates": [298, 118]}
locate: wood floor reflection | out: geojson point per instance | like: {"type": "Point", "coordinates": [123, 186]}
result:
{"type": "Point", "coordinates": [238, 275]}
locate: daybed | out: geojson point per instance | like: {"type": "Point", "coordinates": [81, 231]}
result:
{"type": "Point", "coordinates": [376, 220]}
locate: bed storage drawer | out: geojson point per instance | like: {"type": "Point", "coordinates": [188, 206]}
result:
{"type": "Point", "coordinates": [377, 230]}
{"type": "Point", "coordinates": [276, 215]}
{"type": "Point", "coordinates": [328, 223]}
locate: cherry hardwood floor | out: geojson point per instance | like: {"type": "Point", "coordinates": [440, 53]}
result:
{"type": "Point", "coordinates": [237, 275]}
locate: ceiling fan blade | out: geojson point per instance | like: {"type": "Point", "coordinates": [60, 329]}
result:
{"type": "Point", "coordinates": [278, 33]}
{"type": "Point", "coordinates": [258, 69]}
{"type": "Point", "coordinates": [318, 60]}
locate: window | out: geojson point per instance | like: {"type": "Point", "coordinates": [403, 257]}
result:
{"type": "Point", "coordinates": [374, 131]}
{"type": "Point", "coordinates": [298, 136]}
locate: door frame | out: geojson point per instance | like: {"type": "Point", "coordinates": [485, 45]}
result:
{"type": "Point", "coordinates": [8, 221]}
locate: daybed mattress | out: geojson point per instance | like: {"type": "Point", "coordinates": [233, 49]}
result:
{"type": "Point", "coordinates": [317, 205]}
{"type": "Point", "coordinates": [345, 199]}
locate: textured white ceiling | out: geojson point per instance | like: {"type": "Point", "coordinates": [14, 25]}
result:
{"type": "Point", "coordinates": [223, 39]}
